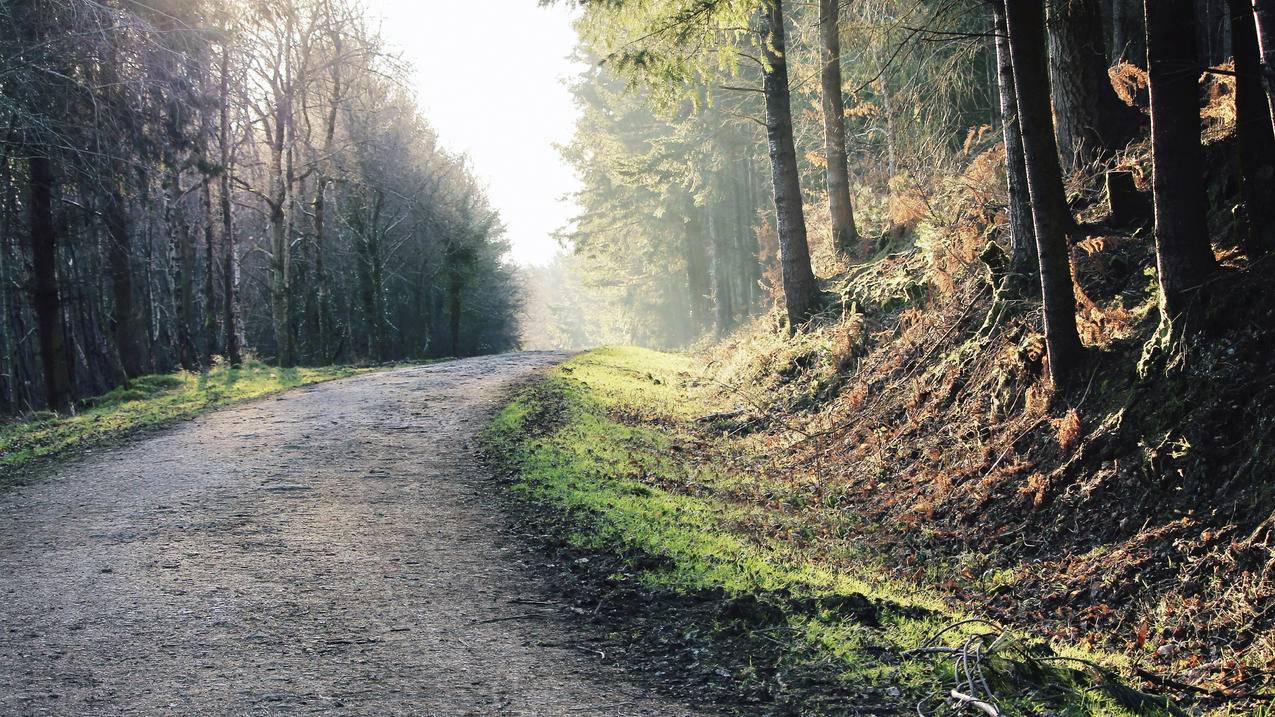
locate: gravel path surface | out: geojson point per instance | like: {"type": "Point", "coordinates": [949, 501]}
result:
{"type": "Point", "coordinates": [333, 550]}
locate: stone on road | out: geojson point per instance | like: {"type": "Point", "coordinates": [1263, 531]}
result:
{"type": "Point", "coordinates": [333, 550]}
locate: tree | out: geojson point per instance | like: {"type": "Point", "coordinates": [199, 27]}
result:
{"type": "Point", "coordinates": [1184, 256]}
{"type": "Point", "coordinates": [1050, 216]}
{"type": "Point", "coordinates": [844, 233]}
{"type": "Point", "coordinates": [229, 262]}
{"type": "Point", "coordinates": [800, 288]}
{"type": "Point", "coordinates": [47, 300]}
{"type": "Point", "coordinates": [1254, 130]}
{"type": "Point", "coordinates": [1022, 242]}
{"type": "Point", "coordinates": [1264, 12]}
{"type": "Point", "coordinates": [1092, 121]}
{"type": "Point", "coordinates": [1129, 34]}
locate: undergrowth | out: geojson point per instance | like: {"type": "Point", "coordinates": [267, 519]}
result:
{"type": "Point", "coordinates": [146, 402]}
{"type": "Point", "coordinates": [774, 604]}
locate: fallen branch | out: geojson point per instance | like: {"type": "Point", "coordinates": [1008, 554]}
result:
{"type": "Point", "coordinates": [967, 701]}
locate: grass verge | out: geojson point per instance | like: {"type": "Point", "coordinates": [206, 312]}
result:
{"type": "Point", "coordinates": [642, 507]}
{"type": "Point", "coordinates": [147, 402]}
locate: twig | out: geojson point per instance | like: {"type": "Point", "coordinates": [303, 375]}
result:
{"type": "Point", "coordinates": [967, 701]}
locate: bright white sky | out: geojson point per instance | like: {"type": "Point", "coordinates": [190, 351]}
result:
{"type": "Point", "coordinates": [489, 75]}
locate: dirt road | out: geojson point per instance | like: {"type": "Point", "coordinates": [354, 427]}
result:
{"type": "Point", "coordinates": [333, 550]}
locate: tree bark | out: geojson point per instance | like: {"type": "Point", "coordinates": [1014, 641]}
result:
{"type": "Point", "coordinates": [229, 265]}
{"type": "Point", "coordinates": [845, 236]}
{"type": "Point", "coordinates": [1264, 12]}
{"type": "Point", "coordinates": [749, 264]}
{"type": "Point", "coordinates": [1050, 216]}
{"type": "Point", "coordinates": [1092, 121]}
{"type": "Point", "coordinates": [1022, 254]}
{"type": "Point", "coordinates": [800, 288]}
{"type": "Point", "coordinates": [1184, 256]}
{"type": "Point", "coordinates": [722, 289]}
{"type": "Point", "coordinates": [120, 259]}
{"type": "Point", "coordinates": [1129, 32]}
{"type": "Point", "coordinates": [1255, 131]}
{"type": "Point", "coordinates": [182, 237]}
{"type": "Point", "coordinates": [45, 297]}
{"type": "Point", "coordinates": [696, 273]}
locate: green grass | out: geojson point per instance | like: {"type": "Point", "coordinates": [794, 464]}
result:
{"type": "Point", "coordinates": [608, 441]}
{"type": "Point", "coordinates": [147, 402]}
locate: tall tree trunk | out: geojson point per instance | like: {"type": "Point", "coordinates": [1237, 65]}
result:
{"type": "Point", "coordinates": [749, 263]}
{"type": "Point", "coordinates": [182, 237]}
{"type": "Point", "coordinates": [1129, 32]}
{"type": "Point", "coordinates": [1092, 121]}
{"type": "Point", "coordinates": [1264, 11]}
{"type": "Point", "coordinates": [696, 273]}
{"type": "Point", "coordinates": [1184, 256]}
{"type": "Point", "coordinates": [120, 258]}
{"type": "Point", "coordinates": [1254, 127]}
{"type": "Point", "coordinates": [1022, 236]}
{"type": "Point", "coordinates": [845, 236]}
{"type": "Point", "coordinates": [800, 288]}
{"type": "Point", "coordinates": [45, 297]}
{"type": "Point", "coordinates": [205, 195]}
{"type": "Point", "coordinates": [1213, 39]}
{"type": "Point", "coordinates": [455, 285]}
{"type": "Point", "coordinates": [319, 208]}
{"type": "Point", "coordinates": [229, 265]}
{"type": "Point", "coordinates": [210, 293]}
{"type": "Point", "coordinates": [722, 289]}
{"type": "Point", "coordinates": [1050, 216]}
{"type": "Point", "coordinates": [280, 242]}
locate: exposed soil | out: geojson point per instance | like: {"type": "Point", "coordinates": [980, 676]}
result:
{"type": "Point", "coordinates": [333, 550]}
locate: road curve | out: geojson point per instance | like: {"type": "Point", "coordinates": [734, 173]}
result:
{"type": "Point", "coordinates": [333, 550]}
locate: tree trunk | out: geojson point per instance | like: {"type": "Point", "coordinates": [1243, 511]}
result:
{"type": "Point", "coordinates": [1213, 40]}
{"type": "Point", "coordinates": [280, 244]}
{"type": "Point", "coordinates": [1264, 11]}
{"type": "Point", "coordinates": [749, 264]}
{"type": "Point", "coordinates": [455, 285]}
{"type": "Point", "coordinates": [1129, 32]}
{"type": "Point", "coordinates": [1092, 121]}
{"type": "Point", "coordinates": [845, 236]}
{"type": "Point", "coordinates": [696, 273]}
{"type": "Point", "coordinates": [229, 266]}
{"type": "Point", "coordinates": [1184, 256]}
{"type": "Point", "coordinates": [320, 277]}
{"type": "Point", "coordinates": [800, 288]}
{"type": "Point", "coordinates": [119, 252]}
{"type": "Point", "coordinates": [182, 237]}
{"type": "Point", "coordinates": [1022, 237]}
{"type": "Point", "coordinates": [210, 294]}
{"type": "Point", "coordinates": [722, 289]}
{"type": "Point", "coordinates": [45, 297]}
{"type": "Point", "coordinates": [1050, 216]}
{"type": "Point", "coordinates": [205, 195]}
{"type": "Point", "coordinates": [1254, 129]}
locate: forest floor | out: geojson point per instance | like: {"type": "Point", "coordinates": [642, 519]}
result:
{"type": "Point", "coordinates": [766, 598]}
{"type": "Point", "coordinates": [337, 549]}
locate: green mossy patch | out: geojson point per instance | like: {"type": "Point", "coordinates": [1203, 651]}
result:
{"type": "Point", "coordinates": [145, 403]}
{"type": "Point", "coordinates": [612, 472]}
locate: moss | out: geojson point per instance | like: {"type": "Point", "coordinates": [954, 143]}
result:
{"type": "Point", "coordinates": [606, 444]}
{"type": "Point", "coordinates": [147, 401]}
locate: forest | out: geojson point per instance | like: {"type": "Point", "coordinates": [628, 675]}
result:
{"type": "Point", "coordinates": [902, 357]}
{"type": "Point", "coordinates": [190, 182]}
{"type": "Point", "coordinates": [725, 163]}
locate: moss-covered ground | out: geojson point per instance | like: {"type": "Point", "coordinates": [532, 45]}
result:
{"type": "Point", "coordinates": [616, 462]}
{"type": "Point", "coordinates": [146, 402]}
